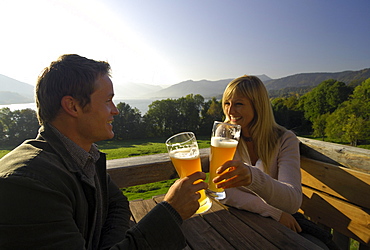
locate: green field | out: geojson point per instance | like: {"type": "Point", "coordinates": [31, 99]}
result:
{"type": "Point", "coordinates": [123, 149]}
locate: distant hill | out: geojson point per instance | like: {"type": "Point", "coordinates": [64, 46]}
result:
{"type": "Point", "coordinates": [12, 98]}
{"type": "Point", "coordinates": [300, 83]}
{"type": "Point", "coordinates": [314, 79]}
{"type": "Point", "coordinates": [207, 89]}
{"type": "Point", "coordinates": [14, 91]}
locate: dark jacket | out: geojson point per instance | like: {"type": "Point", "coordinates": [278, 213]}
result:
{"type": "Point", "coordinates": [46, 202]}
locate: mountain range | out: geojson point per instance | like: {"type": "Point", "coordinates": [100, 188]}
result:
{"type": "Point", "coordinates": [13, 91]}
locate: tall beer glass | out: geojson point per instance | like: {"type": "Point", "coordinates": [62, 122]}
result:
{"type": "Point", "coordinates": [224, 140]}
{"type": "Point", "coordinates": [184, 153]}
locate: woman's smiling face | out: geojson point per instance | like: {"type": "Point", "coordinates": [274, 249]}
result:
{"type": "Point", "coordinates": [239, 110]}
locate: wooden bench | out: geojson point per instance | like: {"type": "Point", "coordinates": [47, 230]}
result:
{"type": "Point", "coordinates": [336, 190]}
{"type": "Point", "coordinates": [335, 183]}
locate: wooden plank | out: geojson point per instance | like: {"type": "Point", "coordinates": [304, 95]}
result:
{"type": "Point", "coordinates": [199, 234]}
{"type": "Point", "coordinates": [138, 170]}
{"type": "Point", "coordinates": [346, 218]}
{"type": "Point", "coordinates": [351, 157]}
{"type": "Point", "coordinates": [140, 208]}
{"type": "Point", "coordinates": [344, 183]}
{"type": "Point", "coordinates": [283, 237]}
{"type": "Point", "coordinates": [142, 174]}
{"type": "Point", "coordinates": [237, 233]}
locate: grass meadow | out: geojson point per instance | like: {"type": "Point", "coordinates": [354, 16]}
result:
{"type": "Point", "coordinates": [124, 149]}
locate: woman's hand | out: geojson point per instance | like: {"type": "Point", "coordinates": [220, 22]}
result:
{"type": "Point", "coordinates": [289, 221]}
{"type": "Point", "coordinates": [233, 174]}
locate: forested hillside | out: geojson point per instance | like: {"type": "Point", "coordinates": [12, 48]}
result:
{"type": "Point", "coordinates": [314, 79]}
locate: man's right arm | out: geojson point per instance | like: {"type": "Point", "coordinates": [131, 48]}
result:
{"type": "Point", "coordinates": [161, 226]}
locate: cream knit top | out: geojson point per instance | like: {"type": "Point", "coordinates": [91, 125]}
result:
{"type": "Point", "coordinates": [269, 195]}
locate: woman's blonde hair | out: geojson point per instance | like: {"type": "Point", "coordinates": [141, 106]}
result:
{"type": "Point", "coordinates": [263, 129]}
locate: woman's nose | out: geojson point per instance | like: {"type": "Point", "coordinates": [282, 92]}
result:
{"type": "Point", "coordinates": [231, 109]}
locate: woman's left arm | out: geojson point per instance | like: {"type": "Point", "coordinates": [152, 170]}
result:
{"type": "Point", "coordinates": [285, 192]}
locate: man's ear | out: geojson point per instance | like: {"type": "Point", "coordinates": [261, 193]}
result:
{"type": "Point", "coordinates": [70, 105]}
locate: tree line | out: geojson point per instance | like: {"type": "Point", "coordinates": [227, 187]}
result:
{"type": "Point", "coordinates": [332, 111]}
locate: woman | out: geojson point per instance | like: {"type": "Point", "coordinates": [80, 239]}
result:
{"type": "Point", "coordinates": [264, 177]}
{"type": "Point", "coordinates": [266, 167]}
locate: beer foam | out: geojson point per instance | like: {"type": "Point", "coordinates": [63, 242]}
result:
{"type": "Point", "coordinates": [221, 142]}
{"type": "Point", "coordinates": [185, 153]}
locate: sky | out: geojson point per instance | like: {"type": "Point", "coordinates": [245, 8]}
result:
{"type": "Point", "coordinates": [164, 42]}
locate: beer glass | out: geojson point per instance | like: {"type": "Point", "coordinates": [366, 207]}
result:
{"type": "Point", "coordinates": [224, 139]}
{"type": "Point", "coordinates": [184, 153]}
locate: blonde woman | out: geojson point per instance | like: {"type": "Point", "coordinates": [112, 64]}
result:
{"type": "Point", "coordinates": [265, 173]}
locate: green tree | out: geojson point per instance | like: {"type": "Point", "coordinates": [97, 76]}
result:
{"type": "Point", "coordinates": [319, 126]}
{"type": "Point", "coordinates": [212, 111]}
{"type": "Point", "coordinates": [127, 124]}
{"type": "Point", "coordinates": [5, 123]}
{"type": "Point", "coordinates": [287, 112]}
{"type": "Point", "coordinates": [325, 98]}
{"type": "Point", "coordinates": [189, 108]}
{"type": "Point", "coordinates": [162, 118]}
{"type": "Point", "coordinates": [18, 125]}
{"type": "Point", "coordinates": [351, 121]}
{"type": "Point", "coordinates": [170, 116]}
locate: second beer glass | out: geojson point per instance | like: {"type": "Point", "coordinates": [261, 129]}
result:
{"type": "Point", "coordinates": [184, 153]}
{"type": "Point", "coordinates": [224, 140]}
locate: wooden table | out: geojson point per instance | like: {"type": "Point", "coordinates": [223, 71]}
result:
{"type": "Point", "coordinates": [224, 227]}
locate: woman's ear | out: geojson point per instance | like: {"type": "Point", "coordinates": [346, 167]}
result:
{"type": "Point", "coordinates": [70, 105]}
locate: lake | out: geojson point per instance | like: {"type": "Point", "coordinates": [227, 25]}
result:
{"type": "Point", "coordinates": [140, 104]}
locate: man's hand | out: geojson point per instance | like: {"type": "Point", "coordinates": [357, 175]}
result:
{"type": "Point", "coordinates": [290, 222]}
{"type": "Point", "coordinates": [183, 194]}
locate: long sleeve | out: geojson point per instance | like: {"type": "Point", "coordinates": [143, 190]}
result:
{"type": "Point", "coordinates": [243, 199]}
{"type": "Point", "coordinates": [118, 217]}
{"type": "Point", "coordinates": [43, 205]}
{"type": "Point", "coordinates": [159, 229]}
{"type": "Point", "coordinates": [282, 190]}
{"type": "Point", "coordinates": [42, 219]}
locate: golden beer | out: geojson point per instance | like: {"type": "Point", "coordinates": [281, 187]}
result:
{"type": "Point", "coordinates": [186, 166]}
{"type": "Point", "coordinates": [224, 140]}
{"type": "Point", "coordinates": [186, 160]}
{"type": "Point", "coordinates": [222, 150]}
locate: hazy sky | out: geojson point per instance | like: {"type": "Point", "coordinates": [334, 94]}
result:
{"type": "Point", "coordinates": [169, 41]}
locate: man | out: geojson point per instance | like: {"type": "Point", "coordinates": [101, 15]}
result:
{"type": "Point", "coordinates": [54, 190]}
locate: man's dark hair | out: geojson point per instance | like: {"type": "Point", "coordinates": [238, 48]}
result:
{"type": "Point", "coordinates": [70, 75]}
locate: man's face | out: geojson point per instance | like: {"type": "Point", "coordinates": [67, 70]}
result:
{"type": "Point", "coordinates": [95, 123]}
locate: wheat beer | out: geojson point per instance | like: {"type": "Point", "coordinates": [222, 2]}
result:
{"type": "Point", "coordinates": [185, 165]}
{"type": "Point", "coordinates": [184, 153]}
{"type": "Point", "coordinates": [224, 140]}
{"type": "Point", "coordinates": [222, 150]}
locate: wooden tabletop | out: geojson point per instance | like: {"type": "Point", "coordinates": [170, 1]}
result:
{"type": "Point", "coordinates": [224, 227]}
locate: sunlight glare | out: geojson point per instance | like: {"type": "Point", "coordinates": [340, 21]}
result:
{"type": "Point", "coordinates": [41, 30]}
